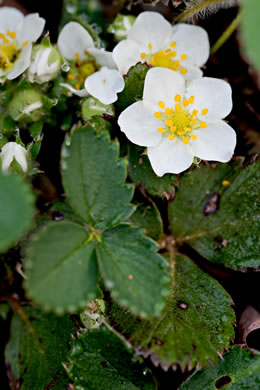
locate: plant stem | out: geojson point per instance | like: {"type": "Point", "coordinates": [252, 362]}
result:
{"type": "Point", "coordinates": [226, 34]}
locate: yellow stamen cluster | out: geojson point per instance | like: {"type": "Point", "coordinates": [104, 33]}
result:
{"type": "Point", "coordinates": [180, 121]}
{"type": "Point", "coordinates": [9, 50]}
{"type": "Point", "coordinates": [165, 58]}
{"type": "Point", "coordinates": [84, 68]}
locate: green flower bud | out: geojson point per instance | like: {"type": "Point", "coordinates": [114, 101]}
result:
{"type": "Point", "coordinates": [121, 26]}
{"type": "Point", "coordinates": [92, 106]}
{"type": "Point", "coordinates": [26, 106]}
{"type": "Point", "coordinates": [45, 64]}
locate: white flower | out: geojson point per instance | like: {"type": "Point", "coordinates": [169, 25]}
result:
{"type": "Point", "coordinates": [11, 151]}
{"type": "Point", "coordinates": [90, 67]}
{"type": "Point", "coordinates": [45, 64]}
{"type": "Point", "coordinates": [178, 122]}
{"type": "Point", "coordinates": [17, 32]}
{"type": "Point", "coordinates": [152, 39]}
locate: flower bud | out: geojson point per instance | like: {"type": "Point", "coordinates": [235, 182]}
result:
{"type": "Point", "coordinates": [45, 64]}
{"type": "Point", "coordinates": [26, 105]}
{"type": "Point", "coordinates": [121, 26]}
{"type": "Point", "coordinates": [13, 158]}
{"type": "Point", "coordinates": [92, 106]}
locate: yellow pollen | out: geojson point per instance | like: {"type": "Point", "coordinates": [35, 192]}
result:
{"type": "Point", "coordinates": [185, 140]}
{"type": "Point", "coordinates": [11, 34]}
{"type": "Point", "coordinates": [3, 37]}
{"type": "Point", "coordinates": [225, 183]}
{"type": "Point", "coordinates": [169, 122]}
{"type": "Point", "coordinates": [161, 53]}
{"type": "Point", "coordinates": [183, 70]}
{"type": "Point", "coordinates": [193, 136]}
{"type": "Point", "coordinates": [185, 102]}
{"type": "Point", "coordinates": [143, 55]}
{"type": "Point", "coordinates": [77, 56]}
{"type": "Point", "coordinates": [86, 52]}
{"type": "Point", "coordinates": [193, 121]}
{"type": "Point", "coordinates": [188, 129]}
{"type": "Point", "coordinates": [70, 76]}
{"type": "Point", "coordinates": [177, 63]}
{"type": "Point", "coordinates": [77, 86]}
{"type": "Point", "coordinates": [158, 115]}
{"type": "Point", "coordinates": [172, 54]}
{"type": "Point", "coordinates": [184, 57]}
{"type": "Point", "coordinates": [191, 99]}
{"type": "Point", "coordinates": [150, 46]}
{"type": "Point", "coordinates": [180, 132]}
{"type": "Point", "coordinates": [161, 104]}
{"type": "Point", "coordinates": [177, 107]}
{"type": "Point", "coordinates": [204, 111]}
{"type": "Point", "coordinates": [168, 111]}
{"type": "Point", "coordinates": [195, 112]}
{"type": "Point", "coordinates": [173, 129]}
{"type": "Point", "coordinates": [161, 130]}
{"type": "Point", "coordinates": [177, 98]}
{"type": "Point", "coordinates": [173, 45]}
{"type": "Point", "coordinates": [168, 51]}
{"type": "Point", "coordinates": [171, 137]}
{"type": "Point", "coordinates": [203, 125]}
{"type": "Point", "coordinates": [4, 53]}
{"type": "Point", "coordinates": [25, 43]}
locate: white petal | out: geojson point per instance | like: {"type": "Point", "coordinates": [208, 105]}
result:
{"type": "Point", "coordinates": [170, 157]}
{"type": "Point", "coordinates": [139, 124]}
{"type": "Point", "coordinates": [193, 41]}
{"type": "Point", "coordinates": [11, 150]}
{"type": "Point", "coordinates": [192, 73]}
{"type": "Point", "coordinates": [78, 92]}
{"type": "Point", "coordinates": [22, 63]}
{"type": "Point", "coordinates": [72, 39]}
{"type": "Point", "coordinates": [31, 29]}
{"type": "Point", "coordinates": [126, 54]}
{"type": "Point", "coordinates": [103, 58]}
{"type": "Point", "coordinates": [151, 27]}
{"type": "Point", "coordinates": [105, 84]}
{"type": "Point", "coordinates": [217, 142]}
{"type": "Point", "coordinates": [213, 94]}
{"type": "Point", "coordinates": [10, 18]}
{"type": "Point", "coordinates": [163, 84]}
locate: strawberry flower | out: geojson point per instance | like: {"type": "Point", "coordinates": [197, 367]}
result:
{"type": "Point", "coordinates": [92, 71]}
{"type": "Point", "coordinates": [183, 48]}
{"type": "Point", "coordinates": [179, 121]}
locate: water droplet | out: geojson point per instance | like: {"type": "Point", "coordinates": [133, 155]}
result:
{"type": "Point", "coordinates": [54, 102]}
{"type": "Point", "coordinates": [146, 371]}
{"type": "Point", "coordinates": [71, 8]}
{"type": "Point", "coordinates": [110, 284]}
{"type": "Point", "coordinates": [65, 67]}
{"type": "Point", "coordinates": [68, 142]}
{"type": "Point", "coordinates": [16, 132]}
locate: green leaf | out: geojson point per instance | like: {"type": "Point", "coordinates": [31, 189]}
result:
{"type": "Point", "coordinates": [132, 270]}
{"type": "Point", "coordinates": [36, 350]}
{"type": "Point", "coordinates": [195, 324]}
{"type": "Point", "coordinates": [141, 172]}
{"type": "Point", "coordinates": [216, 211]}
{"type": "Point", "coordinates": [100, 360]}
{"type": "Point", "coordinates": [93, 178]}
{"type": "Point", "coordinates": [134, 86]}
{"type": "Point", "coordinates": [16, 209]}
{"type": "Point", "coordinates": [148, 218]}
{"type": "Point", "coordinates": [61, 267]}
{"type": "Point", "coordinates": [250, 30]}
{"type": "Point", "coordinates": [238, 370]}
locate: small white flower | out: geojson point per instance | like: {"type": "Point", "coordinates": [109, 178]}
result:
{"type": "Point", "coordinates": [183, 48]}
{"type": "Point", "coordinates": [11, 151]}
{"type": "Point", "coordinates": [178, 122]}
{"type": "Point", "coordinates": [17, 32]}
{"type": "Point", "coordinates": [45, 64]}
{"type": "Point", "coordinates": [92, 71]}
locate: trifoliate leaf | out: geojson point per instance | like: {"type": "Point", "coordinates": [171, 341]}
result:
{"type": "Point", "coordinates": [16, 209]}
{"type": "Point", "coordinates": [141, 172]}
{"type": "Point", "coordinates": [38, 345]}
{"type": "Point", "coordinates": [93, 178]}
{"type": "Point", "coordinates": [132, 270]}
{"type": "Point", "coordinates": [148, 218]}
{"type": "Point", "coordinates": [100, 360]}
{"type": "Point", "coordinates": [61, 267]}
{"type": "Point", "coordinates": [134, 86]}
{"type": "Point", "coordinates": [238, 370]}
{"type": "Point", "coordinates": [250, 30]}
{"type": "Point", "coordinates": [216, 211]}
{"type": "Point", "coordinates": [196, 322]}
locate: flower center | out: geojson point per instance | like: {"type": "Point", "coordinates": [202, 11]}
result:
{"type": "Point", "coordinates": [82, 69]}
{"type": "Point", "coordinates": [9, 50]}
{"type": "Point", "coordinates": [180, 121]}
{"type": "Point", "coordinates": [165, 58]}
